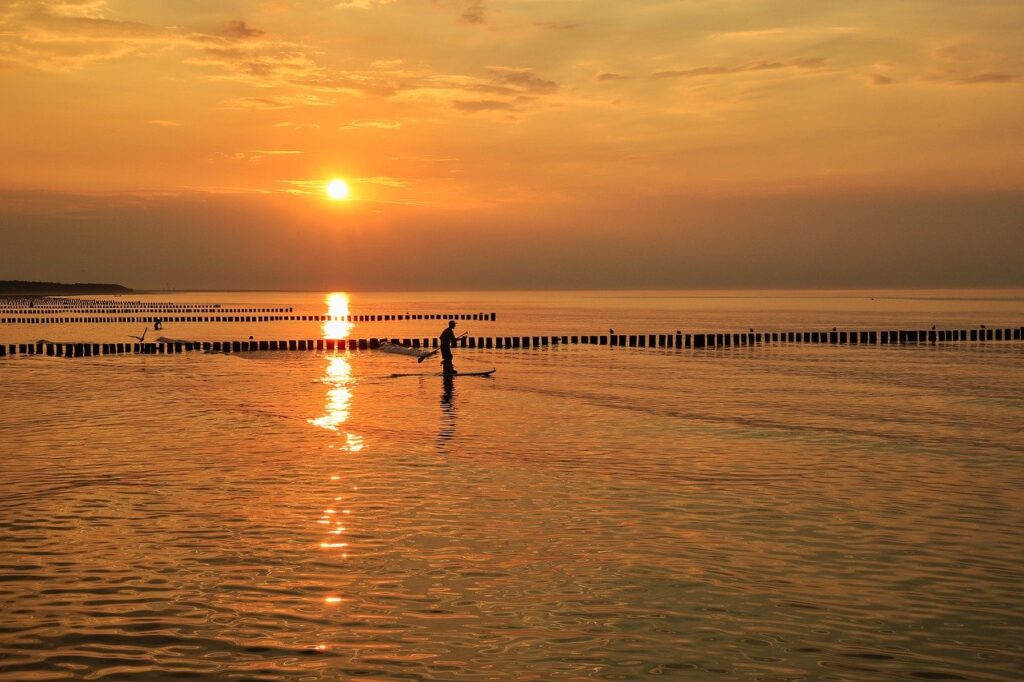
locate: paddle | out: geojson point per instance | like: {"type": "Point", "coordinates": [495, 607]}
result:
{"type": "Point", "coordinates": [435, 352]}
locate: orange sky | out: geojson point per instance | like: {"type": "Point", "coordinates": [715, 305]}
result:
{"type": "Point", "coordinates": [581, 142]}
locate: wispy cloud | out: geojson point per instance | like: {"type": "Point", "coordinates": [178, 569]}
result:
{"type": "Point", "coordinates": [788, 33]}
{"type": "Point", "coordinates": [292, 125]}
{"type": "Point", "coordinates": [381, 180]}
{"type": "Point", "coordinates": [259, 67]}
{"type": "Point", "coordinates": [761, 65]}
{"type": "Point", "coordinates": [361, 4]}
{"type": "Point", "coordinates": [67, 36]}
{"type": "Point", "coordinates": [990, 78]}
{"type": "Point", "coordinates": [382, 124]}
{"type": "Point", "coordinates": [165, 124]}
{"type": "Point", "coordinates": [522, 79]}
{"type": "Point", "coordinates": [483, 105]}
{"type": "Point", "coordinates": [276, 102]}
{"type": "Point", "coordinates": [511, 87]}
{"type": "Point", "coordinates": [972, 63]}
{"type": "Point", "coordinates": [73, 34]}
{"type": "Point", "coordinates": [92, 9]}
{"type": "Point", "coordinates": [304, 186]}
{"type": "Point", "coordinates": [238, 30]}
{"type": "Point", "coordinates": [475, 12]}
{"type": "Point", "coordinates": [557, 26]}
{"type": "Point", "coordinates": [610, 76]}
{"type": "Point", "coordinates": [251, 156]}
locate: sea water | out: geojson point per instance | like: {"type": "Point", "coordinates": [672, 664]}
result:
{"type": "Point", "coordinates": [781, 512]}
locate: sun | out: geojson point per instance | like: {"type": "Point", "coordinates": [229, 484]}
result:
{"type": "Point", "coordinates": [337, 189]}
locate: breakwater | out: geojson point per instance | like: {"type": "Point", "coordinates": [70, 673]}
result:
{"type": "Point", "coordinates": [133, 310]}
{"type": "Point", "coordinates": [51, 304]}
{"type": "Point", "coordinates": [48, 318]}
{"type": "Point", "coordinates": [678, 340]}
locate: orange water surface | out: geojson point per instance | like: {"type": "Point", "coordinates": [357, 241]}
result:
{"type": "Point", "coordinates": [789, 512]}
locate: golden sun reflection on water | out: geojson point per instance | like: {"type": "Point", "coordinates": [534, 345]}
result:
{"type": "Point", "coordinates": [339, 399]}
{"type": "Point", "coordinates": [337, 306]}
{"type": "Point", "coordinates": [337, 409]}
{"type": "Point", "coordinates": [339, 396]}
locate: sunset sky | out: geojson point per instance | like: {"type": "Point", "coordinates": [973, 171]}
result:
{"type": "Point", "coordinates": [513, 143]}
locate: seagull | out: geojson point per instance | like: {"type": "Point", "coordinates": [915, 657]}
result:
{"type": "Point", "coordinates": [611, 331]}
{"type": "Point", "coordinates": [142, 338]}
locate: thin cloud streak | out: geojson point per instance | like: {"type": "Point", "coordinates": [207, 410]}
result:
{"type": "Point", "coordinates": [380, 124]}
{"type": "Point", "coordinates": [761, 65]}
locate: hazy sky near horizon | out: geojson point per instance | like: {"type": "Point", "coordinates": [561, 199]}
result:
{"type": "Point", "coordinates": [513, 143]}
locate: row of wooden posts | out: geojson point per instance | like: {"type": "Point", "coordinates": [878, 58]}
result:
{"type": "Point", "coordinates": [488, 317]}
{"type": "Point", "coordinates": [131, 310]}
{"type": "Point", "coordinates": [678, 340]}
{"type": "Point", "coordinates": [27, 301]}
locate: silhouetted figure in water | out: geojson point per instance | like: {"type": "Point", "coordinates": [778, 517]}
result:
{"type": "Point", "coordinates": [447, 393]}
{"type": "Point", "coordinates": [447, 429]}
{"type": "Point", "coordinates": [447, 340]}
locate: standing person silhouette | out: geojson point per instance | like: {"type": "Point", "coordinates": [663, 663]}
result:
{"type": "Point", "coordinates": [447, 340]}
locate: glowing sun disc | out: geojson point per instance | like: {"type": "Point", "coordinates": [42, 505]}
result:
{"type": "Point", "coordinates": [337, 189]}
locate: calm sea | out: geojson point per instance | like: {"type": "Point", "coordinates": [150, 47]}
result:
{"type": "Point", "coordinates": [789, 512]}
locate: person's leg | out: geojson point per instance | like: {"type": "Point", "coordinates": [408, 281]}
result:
{"type": "Point", "coordinates": [446, 362]}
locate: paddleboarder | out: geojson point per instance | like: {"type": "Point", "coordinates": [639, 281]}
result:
{"type": "Point", "coordinates": [447, 340]}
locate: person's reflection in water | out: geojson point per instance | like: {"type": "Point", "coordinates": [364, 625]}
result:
{"type": "Point", "coordinates": [447, 430]}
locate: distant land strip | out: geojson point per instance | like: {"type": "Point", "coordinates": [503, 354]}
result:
{"type": "Point", "coordinates": [15, 287]}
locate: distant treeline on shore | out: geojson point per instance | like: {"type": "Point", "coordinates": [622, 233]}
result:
{"type": "Point", "coordinates": [40, 288]}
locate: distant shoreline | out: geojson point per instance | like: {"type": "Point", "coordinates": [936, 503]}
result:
{"type": "Point", "coordinates": [26, 288]}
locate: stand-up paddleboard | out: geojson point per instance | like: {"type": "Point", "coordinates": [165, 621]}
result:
{"type": "Point", "coordinates": [398, 349]}
{"type": "Point", "coordinates": [164, 339]}
{"type": "Point", "coordinates": [445, 374]}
